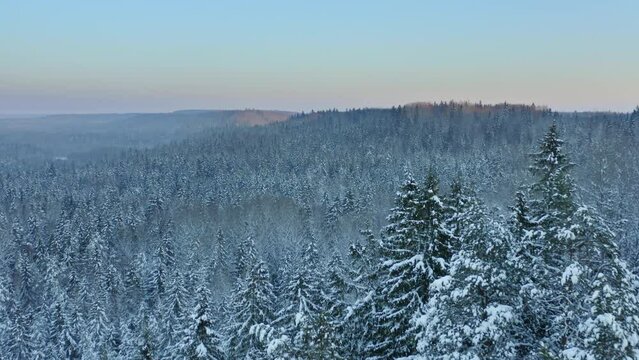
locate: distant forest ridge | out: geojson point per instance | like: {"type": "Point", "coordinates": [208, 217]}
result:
{"type": "Point", "coordinates": [254, 116]}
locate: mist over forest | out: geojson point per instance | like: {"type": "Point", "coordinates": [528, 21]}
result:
{"type": "Point", "coordinates": [425, 231]}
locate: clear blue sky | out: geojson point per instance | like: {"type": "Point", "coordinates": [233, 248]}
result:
{"type": "Point", "coordinates": [139, 55]}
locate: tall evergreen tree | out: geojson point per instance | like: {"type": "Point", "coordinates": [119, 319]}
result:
{"type": "Point", "coordinates": [403, 277]}
{"type": "Point", "coordinates": [145, 336]}
{"type": "Point", "coordinates": [330, 328]}
{"type": "Point", "coordinates": [331, 219]}
{"type": "Point", "coordinates": [222, 268]}
{"type": "Point", "coordinates": [415, 252]}
{"type": "Point", "coordinates": [608, 307]}
{"type": "Point", "coordinates": [365, 273]}
{"type": "Point", "coordinates": [174, 315]}
{"type": "Point", "coordinates": [21, 340]}
{"type": "Point", "coordinates": [71, 332]}
{"type": "Point", "coordinates": [253, 304]}
{"type": "Point", "coordinates": [565, 249]}
{"type": "Point", "coordinates": [302, 297]}
{"type": "Point", "coordinates": [245, 257]}
{"type": "Point", "coordinates": [201, 340]}
{"type": "Point", "coordinates": [470, 312]}
{"type": "Point", "coordinates": [96, 335]}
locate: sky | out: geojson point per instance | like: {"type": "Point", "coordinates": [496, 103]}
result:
{"type": "Point", "coordinates": [90, 56]}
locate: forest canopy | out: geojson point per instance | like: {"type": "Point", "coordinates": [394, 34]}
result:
{"type": "Point", "coordinates": [425, 231]}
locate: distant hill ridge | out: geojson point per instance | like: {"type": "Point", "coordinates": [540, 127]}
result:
{"type": "Point", "coordinates": [67, 134]}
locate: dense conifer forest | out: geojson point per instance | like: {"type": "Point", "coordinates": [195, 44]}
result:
{"type": "Point", "coordinates": [425, 231]}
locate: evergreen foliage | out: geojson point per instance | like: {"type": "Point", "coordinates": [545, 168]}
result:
{"type": "Point", "coordinates": [148, 254]}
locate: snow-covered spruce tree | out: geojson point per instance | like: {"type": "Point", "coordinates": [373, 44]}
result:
{"type": "Point", "coordinates": [461, 204]}
{"type": "Point", "coordinates": [21, 341]}
{"type": "Point", "coordinates": [143, 344]}
{"type": "Point", "coordinates": [96, 336]}
{"type": "Point", "coordinates": [253, 304]}
{"type": "Point", "coordinates": [56, 326]}
{"type": "Point", "coordinates": [222, 268]}
{"type": "Point", "coordinates": [562, 252]}
{"type": "Point", "coordinates": [302, 299]}
{"type": "Point", "coordinates": [438, 243]}
{"type": "Point", "coordinates": [609, 323]}
{"type": "Point", "coordinates": [331, 218]}
{"type": "Point", "coordinates": [166, 252]}
{"type": "Point", "coordinates": [402, 282]}
{"type": "Point", "coordinates": [349, 204]}
{"type": "Point", "coordinates": [96, 254]}
{"type": "Point", "coordinates": [173, 312]}
{"type": "Point", "coordinates": [161, 266]}
{"type": "Point", "coordinates": [201, 340]}
{"type": "Point", "coordinates": [245, 258]}
{"type": "Point", "coordinates": [71, 331]}
{"type": "Point", "coordinates": [364, 273]}
{"type": "Point", "coordinates": [27, 284]}
{"type": "Point", "coordinates": [470, 311]}
{"type": "Point", "coordinates": [330, 327]}
{"type": "Point", "coordinates": [415, 250]}
{"type": "Point", "coordinates": [153, 282]}
{"type": "Point", "coordinates": [39, 336]}
{"type": "Point", "coordinates": [540, 251]}
{"type": "Point", "coordinates": [133, 282]}
{"type": "Point", "coordinates": [128, 346]}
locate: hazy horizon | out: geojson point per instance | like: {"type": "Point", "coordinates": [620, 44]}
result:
{"type": "Point", "coordinates": [71, 113]}
{"type": "Point", "coordinates": [148, 56]}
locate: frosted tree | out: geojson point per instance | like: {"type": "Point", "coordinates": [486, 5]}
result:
{"type": "Point", "coordinates": [253, 304]}
{"type": "Point", "coordinates": [438, 241]}
{"type": "Point", "coordinates": [470, 311]}
{"type": "Point", "coordinates": [201, 340]}
{"type": "Point", "coordinates": [403, 277]}
{"type": "Point", "coordinates": [609, 321]}
{"type": "Point", "coordinates": [415, 250]}
{"type": "Point", "coordinates": [541, 249]}
{"type": "Point", "coordinates": [330, 327]}
{"type": "Point", "coordinates": [96, 340]}
{"type": "Point", "coordinates": [21, 341]}
{"type": "Point", "coordinates": [302, 299]}
{"type": "Point", "coordinates": [145, 336]}
{"type": "Point", "coordinates": [153, 282]}
{"type": "Point", "coordinates": [365, 273]}
{"type": "Point", "coordinates": [173, 314]}
{"type": "Point", "coordinates": [564, 249]}
{"type": "Point", "coordinates": [39, 337]}
{"type": "Point", "coordinates": [462, 208]}
{"type": "Point", "coordinates": [245, 257]}
{"type": "Point", "coordinates": [349, 204]}
{"type": "Point", "coordinates": [332, 217]}
{"type": "Point", "coordinates": [364, 262]}
{"type": "Point", "coordinates": [27, 280]}
{"type": "Point", "coordinates": [96, 254]}
{"type": "Point", "coordinates": [128, 347]}
{"type": "Point", "coordinates": [222, 268]}
{"type": "Point", "coordinates": [165, 259]}
{"type": "Point", "coordinates": [71, 332]}
{"type": "Point", "coordinates": [55, 329]}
